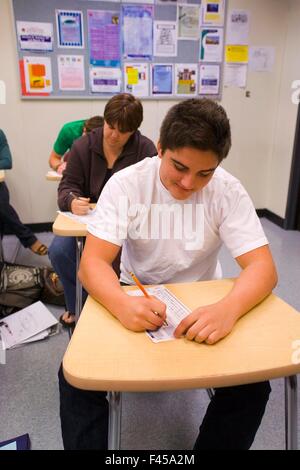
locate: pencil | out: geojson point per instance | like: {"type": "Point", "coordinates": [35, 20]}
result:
{"type": "Point", "coordinates": [138, 283]}
{"type": "Point", "coordinates": [142, 288]}
{"type": "Point", "coordinates": [74, 195]}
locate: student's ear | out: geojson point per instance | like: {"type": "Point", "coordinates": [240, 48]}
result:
{"type": "Point", "coordinates": [159, 150]}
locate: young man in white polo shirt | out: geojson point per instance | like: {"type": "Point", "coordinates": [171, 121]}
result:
{"type": "Point", "coordinates": [205, 206]}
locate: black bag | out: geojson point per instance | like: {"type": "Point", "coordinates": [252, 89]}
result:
{"type": "Point", "coordinates": [21, 286]}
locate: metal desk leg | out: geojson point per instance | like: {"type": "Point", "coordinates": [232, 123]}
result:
{"type": "Point", "coordinates": [114, 425]}
{"type": "Point", "coordinates": [78, 305]}
{"type": "Point", "coordinates": [291, 413]}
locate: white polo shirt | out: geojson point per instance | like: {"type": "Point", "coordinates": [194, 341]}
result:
{"type": "Point", "coordinates": [166, 240]}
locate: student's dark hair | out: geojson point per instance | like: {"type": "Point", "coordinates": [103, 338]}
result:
{"type": "Point", "coordinates": [198, 123]}
{"type": "Point", "coordinates": [125, 112]}
{"type": "Point", "coordinates": [93, 123]}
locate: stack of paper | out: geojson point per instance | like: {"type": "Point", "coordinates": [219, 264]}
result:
{"type": "Point", "coordinates": [83, 219]}
{"type": "Point", "coordinates": [29, 324]}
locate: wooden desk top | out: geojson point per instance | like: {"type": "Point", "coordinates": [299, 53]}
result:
{"type": "Point", "coordinates": [103, 355]}
{"type": "Point", "coordinates": [2, 175]}
{"type": "Point", "coordinates": [53, 176]}
{"type": "Point", "coordinates": [66, 227]}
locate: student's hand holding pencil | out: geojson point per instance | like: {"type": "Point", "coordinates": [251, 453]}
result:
{"type": "Point", "coordinates": [143, 313]}
{"type": "Point", "coordinates": [80, 205]}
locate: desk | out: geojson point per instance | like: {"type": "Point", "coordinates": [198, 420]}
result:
{"type": "Point", "coordinates": [102, 354]}
{"type": "Point", "coordinates": [53, 176]}
{"type": "Point", "coordinates": [65, 227]}
{"type": "Point", "coordinates": [2, 175]}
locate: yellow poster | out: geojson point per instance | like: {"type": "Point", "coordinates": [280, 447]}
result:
{"type": "Point", "coordinates": [237, 54]}
{"type": "Point", "coordinates": [132, 75]}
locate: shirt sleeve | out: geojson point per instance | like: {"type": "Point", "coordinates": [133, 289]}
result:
{"type": "Point", "coordinates": [72, 181]}
{"type": "Point", "coordinates": [240, 227]}
{"type": "Point", "coordinates": [63, 141]}
{"type": "Point", "coordinates": [111, 221]}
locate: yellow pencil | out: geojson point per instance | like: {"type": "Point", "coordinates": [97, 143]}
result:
{"type": "Point", "coordinates": [142, 288]}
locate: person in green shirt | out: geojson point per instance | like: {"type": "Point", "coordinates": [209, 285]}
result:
{"type": "Point", "coordinates": [8, 216]}
{"type": "Point", "coordinates": [68, 133]}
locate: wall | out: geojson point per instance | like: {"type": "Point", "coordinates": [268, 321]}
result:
{"type": "Point", "coordinates": [257, 122]}
{"type": "Point", "coordinates": [286, 115]}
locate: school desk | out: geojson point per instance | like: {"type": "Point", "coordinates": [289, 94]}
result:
{"type": "Point", "coordinates": [2, 175]}
{"type": "Point", "coordinates": [264, 344]}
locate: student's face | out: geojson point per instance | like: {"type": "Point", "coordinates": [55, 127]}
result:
{"type": "Point", "coordinates": [186, 170]}
{"type": "Point", "coordinates": [113, 137]}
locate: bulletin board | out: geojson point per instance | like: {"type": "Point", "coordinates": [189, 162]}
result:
{"type": "Point", "coordinates": [93, 49]}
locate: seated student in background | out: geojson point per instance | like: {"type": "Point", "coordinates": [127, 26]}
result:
{"type": "Point", "coordinates": [8, 216]}
{"type": "Point", "coordinates": [68, 133]}
{"type": "Point", "coordinates": [185, 176]}
{"type": "Point", "coordinates": [93, 159]}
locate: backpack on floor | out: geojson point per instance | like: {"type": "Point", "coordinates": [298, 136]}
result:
{"type": "Point", "coordinates": [21, 286]}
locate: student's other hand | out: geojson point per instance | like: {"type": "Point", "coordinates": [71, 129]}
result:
{"type": "Point", "coordinates": [61, 168]}
{"type": "Point", "coordinates": [142, 313]}
{"type": "Point", "coordinates": [206, 324]}
{"type": "Point", "coordinates": [80, 206]}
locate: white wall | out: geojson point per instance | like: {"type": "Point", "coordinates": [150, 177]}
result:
{"type": "Point", "coordinates": [286, 115]}
{"type": "Point", "coordinates": [262, 137]}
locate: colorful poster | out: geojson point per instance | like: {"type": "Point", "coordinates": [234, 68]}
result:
{"type": "Point", "coordinates": [136, 79]}
{"type": "Point", "coordinates": [104, 38]}
{"type": "Point", "coordinates": [162, 79]}
{"type": "Point", "coordinates": [165, 39]}
{"type": "Point", "coordinates": [211, 45]}
{"type": "Point", "coordinates": [213, 12]}
{"type": "Point", "coordinates": [34, 36]}
{"type": "Point", "coordinates": [137, 31]}
{"type": "Point", "coordinates": [186, 79]}
{"type": "Point", "coordinates": [71, 72]}
{"type": "Point", "coordinates": [105, 79]}
{"type": "Point", "coordinates": [37, 76]}
{"type": "Point", "coordinates": [237, 54]}
{"type": "Point", "coordinates": [188, 18]}
{"type": "Point", "coordinates": [209, 80]}
{"type": "Point", "coordinates": [69, 28]}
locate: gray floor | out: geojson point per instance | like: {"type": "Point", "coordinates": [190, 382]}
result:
{"type": "Point", "coordinates": [28, 384]}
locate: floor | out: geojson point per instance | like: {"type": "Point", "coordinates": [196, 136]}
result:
{"type": "Point", "coordinates": [29, 401]}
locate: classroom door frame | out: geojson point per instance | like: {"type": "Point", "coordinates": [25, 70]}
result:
{"type": "Point", "coordinates": [292, 214]}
